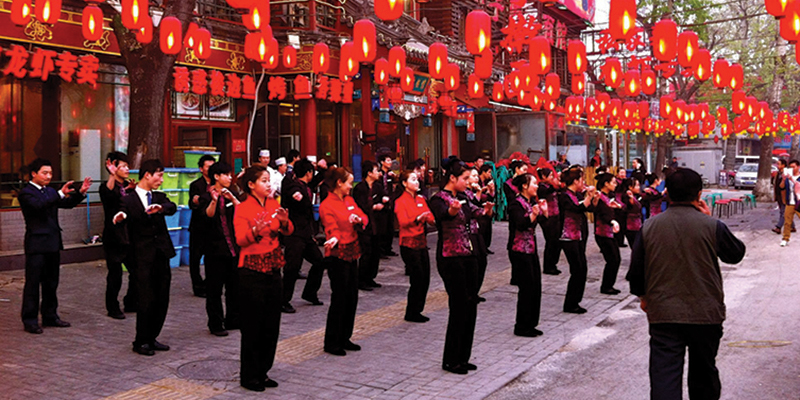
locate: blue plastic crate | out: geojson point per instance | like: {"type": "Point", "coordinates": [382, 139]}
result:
{"type": "Point", "coordinates": [184, 237]}
{"type": "Point", "coordinates": [186, 216]}
{"type": "Point", "coordinates": [174, 220]}
{"type": "Point", "coordinates": [175, 236]}
{"type": "Point", "coordinates": [185, 256]}
{"type": "Point", "coordinates": [175, 262]}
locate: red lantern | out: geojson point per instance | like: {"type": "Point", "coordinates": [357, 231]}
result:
{"type": "Point", "coordinates": [578, 84]}
{"type": "Point", "coordinates": [397, 61]}
{"type": "Point", "coordinates": [737, 76]}
{"type": "Point", "coordinates": [364, 40]}
{"type": "Point", "coordinates": [511, 90]}
{"type": "Point", "coordinates": [615, 108]}
{"type": "Point", "coordinates": [478, 32]}
{"type": "Point", "coordinates": [348, 67]}
{"type": "Point", "coordinates": [437, 60]}
{"type": "Point", "coordinates": [321, 58]}
{"type": "Point", "coordinates": [777, 8]}
{"type": "Point", "coordinates": [289, 57]}
{"type": "Point", "coordinates": [752, 107]}
{"type": "Point", "coordinates": [552, 85]}
{"type": "Point", "coordinates": [21, 11]}
{"type": "Point", "coordinates": [591, 107]}
{"type": "Point", "coordinates": [790, 24]}
{"type": "Point", "coordinates": [688, 46]}
{"type": "Point", "coordinates": [475, 86]}
{"type": "Point", "coordinates": [722, 114]}
{"type": "Point", "coordinates": [603, 103]}
{"type": "Point", "coordinates": [92, 23]}
{"type": "Point", "coordinates": [452, 77]}
{"type": "Point", "coordinates": [145, 33]}
{"type": "Point", "coordinates": [680, 108]}
{"type": "Point", "coordinates": [203, 44]}
{"type": "Point", "coordinates": [169, 34]}
{"type": "Point", "coordinates": [528, 80]}
{"type": "Point", "coordinates": [622, 19]}
{"type": "Point", "coordinates": [644, 109]}
{"type": "Point", "coordinates": [48, 11]}
{"type": "Point", "coordinates": [497, 91]}
{"type": "Point", "coordinates": [256, 46]}
{"type": "Point", "coordinates": [189, 36]}
{"type": "Point", "coordinates": [272, 58]}
{"type": "Point", "coordinates": [738, 102]}
{"type": "Point", "coordinates": [666, 107]}
{"type": "Point", "coordinates": [132, 13]}
{"type": "Point", "coordinates": [702, 71]}
{"type": "Point", "coordinates": [576, 56]}
{"type": "Point", "coordinates": [258, 16]}
{"type": "Point", "coordinates": [612, 71]}
{"type": "Point", "coordinates": [721, 77]}
{"type": "Point", "coordinates": [381, 71]}
{"type": "Point", "coordinates": [407, 79]}
{"type": "Point", "coordinates": [665, 39]}
{"type": "Point", "coordinates": [389, 10]}
{"type": "Point", "coordinates": [540, 55]}
{"type": "Point", "coordinates": [649, 82]}
{"type": "Point", "coordinates": [483, 64]}
{"type": "Point", "coordinates": [241, 4]}
{"type": "Point", "coordinates": [763, 109]}
{"type": "Point", "coordinates": [633, 83]}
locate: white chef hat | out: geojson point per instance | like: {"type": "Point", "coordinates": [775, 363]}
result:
{"type": "Point", "coordinates": [313, 159]}
{"type": "Point", "coordinates": [280, 161]}
{"type": "Point", "coordinates": [263, 153]}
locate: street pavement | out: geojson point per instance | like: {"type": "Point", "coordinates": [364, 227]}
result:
{"type": "Point", "coordinates": [600, 354]}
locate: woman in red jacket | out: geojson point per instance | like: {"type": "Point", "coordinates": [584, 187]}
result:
{"type": "Point", "coordinates": [341, 217]}
{"type": "Point", "coordinates": [257, 222]}
{"type": "Point", "coordinates": [412, 214]}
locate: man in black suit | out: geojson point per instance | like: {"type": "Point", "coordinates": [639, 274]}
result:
{"type": "Point", "coordinates": [367, 195]}
{"type": "Point", "coordinates": [296, 198]}
{"type": "Point", "coordinates": [114, 238]}
{"type": "Point", "coordinates": [384, 218]}
{"type": "Point", "coordinates": [198, 225]}
{"type": "Point", "coordinates": [142, 213]}
{"type": "Point", "coordinates": [43, 244]}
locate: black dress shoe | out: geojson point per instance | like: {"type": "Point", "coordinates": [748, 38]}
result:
{"type": "Point", "coordinates": [57, 323]}
{"type": "Point", "coordinates": [365, 287]}
{"type": "Point", "coordinates": [576, 310]}
{"type": "Point", "coordinates": [470, 367]}
{"type": "Point", "coordinates": [623, 245]}
{"type": "Point", "coordinates": [489, 252]}
{"type": "Point", "coordinates": [219, 332]}
{"type": "Point", "coordinates": [481, 299]}
{"type": "Point", "coordinates": [269, 383]}
{"type": "Point", "coordinates": [254, 386]}
{"type": "Point", "coordinates": [384, 257]}
{"type": "Point", "coordinates": [144, 349]}
{"type": "Point", "coordinates": [348, 345]}
{"type": "Point", "coordinates": [288, 309]}
{"type": "Point", "coordinates": [528, 332]}
{"type": "Point", "coordinates": [35, 329]}
{"type": "Point", "coordinates": [416, 318]}
{"type": "Point", "coordinates": [552, 272]}
{"type": "Point", "coordinates": [116, 315]}
{"type": "Point", "coordinates": [456, 369]}
{"type": "Point", "coordinates": [611, 291]}
{"type": "Point", "coordinates": [375, 284]}
{"type": "Point", "coordinates": [335, 352]}
{"type": "Point", "coordinates": [313, 300]}
{"type": "Point", "coordinates": [392, 254]}
{"type": "Point", "coordinates": [157, 346]}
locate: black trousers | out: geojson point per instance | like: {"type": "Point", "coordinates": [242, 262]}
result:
{"type": "Point", "coordinates": [529, 297]}
{"type": "Point", "coordinates": [610, 250]}
{"type": "Point", "coordinates": [668, 343]}
{"type": "Point", "coordinates": [196, 252]}
{"type": "Point", "coordinates": [222, 272]}
{"type": "Point", "coordinates": [370, 259]}
{"type": "Point", "coordinates": [260, 312]}
{"type": "Point", "coordinates": [344, 302]}
{"type": "Point", "coordinates": [575, 250]}
{"type": "Point", "coordinates": [485, 230]}
{"type": "Point", "coordinates": [296, 250]}
{"type": "Point", "coordinates": [40, 270]}
{"type": "Point", "coordinates": [418, 265]}
{"type": "Point", "coordinates": [552, 247]}
{"type": "Point", "coordinates": [153, 278]}
{"type": "Point", "coordinates": [621, 216]}
{"type": "Point", "coordinates": [460, 280]}
{"type": "Point", "coordinates": [114, 284]}
{"type": "Point", "coordinates": [631, 236]}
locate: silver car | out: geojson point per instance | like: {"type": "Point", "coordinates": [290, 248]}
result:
{"type": "Point", "coordinates": [746, 176]}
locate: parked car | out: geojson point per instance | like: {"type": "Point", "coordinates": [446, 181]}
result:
{"type": "Point", "coordinates": [746, 176]}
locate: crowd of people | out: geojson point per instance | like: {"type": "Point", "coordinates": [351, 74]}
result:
{"type": "Point", "coordinates": [256, 229]}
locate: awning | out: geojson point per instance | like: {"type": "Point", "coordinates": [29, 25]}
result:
{"type": "Point", "coordinates": [461, 95]}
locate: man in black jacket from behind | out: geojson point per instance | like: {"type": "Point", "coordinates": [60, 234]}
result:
{"type": "Point", "coordinates": [43, 245]}
{"type": "Point", "coordinates": [675, 272]}
{"type": "Point", "coordinates": [198, 225]}
{"type": "Point", "coordinates": [142, 213]}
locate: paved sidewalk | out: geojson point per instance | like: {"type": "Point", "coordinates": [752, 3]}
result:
{"type": "Point", "coordinates": [399, 360]}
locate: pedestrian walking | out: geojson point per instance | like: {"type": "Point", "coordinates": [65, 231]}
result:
{"type": "Point", "coordinates": [676, 274]}
{"type": "Point", "coordinates": [342, 218]}
{"type": "Point", "coordinates": [197, 223]}
{"type": "Point", "coordinates": [605, 226]}
{"type": "Point", "coordinates": [779, 187]}
{"type": "Point", "coordinates": [549, 190]}
{"type": "Point", "coordinates": [573, 204]}
{"type": "Point", "coordinates": [368, 195]}
{"type": "Point", "coordinates": [258, 221]}
{"type": "Point", "coordinates": [791, 183]}
{"type": "Point", "coordinates": [43, 244]}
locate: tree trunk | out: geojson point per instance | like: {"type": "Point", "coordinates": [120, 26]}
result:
{"type": "Point", "coordinates": [663, 144]}
{"type": "Point", "coordinates": [730, 153]}
{"type": "Point", "coordinates": [794, 150]}
{"type": "Point", "coordinates": [763, 190]}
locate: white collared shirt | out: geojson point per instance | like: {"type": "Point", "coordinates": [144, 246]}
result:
{"type": "Point", "coordinates": [60, 193]}
{"type": "Point", "coordinates": [142, 194]}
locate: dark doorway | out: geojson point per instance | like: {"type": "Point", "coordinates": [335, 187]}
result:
{"type": "Point", "coordinates": [221, 139]}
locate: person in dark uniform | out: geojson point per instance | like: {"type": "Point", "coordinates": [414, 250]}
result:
{"type": "Point", "coordinates": [619, 213]}
{"type": "Point", "coordinates": [457, 263]}
{"type": "Point", "coordinates": [142, 214]}
{"type": "Point", "coordinates": [517, 168]}
{"type": "Point", "coordinates": [43, 244]}
{"type": "Point", "coordinates": [488, 194]}
{"type": "Point", "coordinates": [573, 204]}
{"type": "Point", "coordinates": [369, 201]}
{"type": "Point", "coordinates": [605, 226]}
{"type": "Point", "coordinates": [296, 199]}
{"type": "Point", "coordinates": [633, 209]}
{"type": "Point", "coordinates": [222, 252]}
{"type": "Point", "coordinates": [481, 251]}
{"type": "Point", "coordinates": [638, 172]}
{"type": "Point", "coordinates": [549, 189]}
{"type": "Point", "coordinates": [197, 224]}
{"type": "Point", "coordinates": [651, 197]}
{"type": "Point", "coordinates": [385, 217]}
{"type": "Point", "coordinates": [115, 239]}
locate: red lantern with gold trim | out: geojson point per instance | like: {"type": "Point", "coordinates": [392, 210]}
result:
{"type": "Point", "coordinates": [364, 41]}
{"type": "Point", "coordinates": [665, 40]}
{"type": "Point", "coordinates": [272, 59]}
{"type": "Point", "coordinates": [452, 77]}
{"type": "Point", "coordinates": [169, 35]}
{"type": "Point", "coordinates": [578, 84]}
{"type": "Point", "coordinates": [48, 11]}
{"type": "Point", "coordinates": [437, 60]}
{"type": "Point", "coordinates": [202, 47]}
{"type": "Point", "coordinates": [258, 17]}
{"type": "Point", "coordinates": [92, 23]}
{"type": "Point", "coordinates": [666, 107]}
{"type": "Point", "coordinates": [21, 11]}
{"type": "Point", "coordinates": [540, 58]}
{"type": "Point", "coordinates": [622, 19]}
{"type": "Point", "coordinates": [397, 61]}
{"type": "Point", "coordinates": [721, 75]}
{"type": "Point", "coordinates": [255, 46]}
{"type": "Point", "coordinates": [483, 64]}
{"type": "Point", "coordinates": [145, 33]}
{"type": "Point", "coordinates": [737, 76]}
{"type": "Point", "coordinates": [132, 13]}
{"type": "Point", "coordinates": [381, 71]}
{"type": "Point", "coordinates": [552, 85]}
{"type": "Point", "coordinates": [389, 10]}
{"type": "Point", "coordinates": [649, 82]}
{"type": "Point", "coordinates": [189, 36]}
{"type": "Point", "coordinates": [633, 83]}
{"type": "Point", "coordinates": [289, 57]}
{"type": "Point", "coordinates": [348, 67]}
{"type": "Point", "coordinates": [407, 79]}
{"type": "Point", "coordinates": [603, 103]}
{"type": "Point", "coordinates": [576, 57]}
{"type": "Point", "coordinates": [497, 91]}
{"type": "Point", "coordinates": [475, 88]}
{"type": "Point", "coordinates": [738, 102]}
{"type": "Point", "coordinates": [321, 58]}
{"type": "Point", "coordinates": [688, 46]}
{"type": "Point", "coordinates": [702, 69]}
{"type": "Point", "coordinates": [612, 72]}
{"type": "Point", "coordinates": [478, 32]}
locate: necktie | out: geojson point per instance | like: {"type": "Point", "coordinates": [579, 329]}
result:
{"type": "Point", "coordinates": [149, 198]}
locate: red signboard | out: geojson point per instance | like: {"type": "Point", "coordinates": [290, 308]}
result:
{"type": "Point", "coordinates": [582, 8]}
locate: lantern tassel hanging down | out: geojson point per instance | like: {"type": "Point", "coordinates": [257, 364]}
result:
{"type": "Point", "coordinates": [483, 64]}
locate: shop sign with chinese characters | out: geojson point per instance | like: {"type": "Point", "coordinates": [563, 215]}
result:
{"type": "Point", "coordinates": [21, 63]}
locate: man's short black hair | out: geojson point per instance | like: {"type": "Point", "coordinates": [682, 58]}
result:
{"type": "Point", "coordinates": [116, 156]}
{"type": "Point", "coordinates": [291, 155]}
{"type": "Point", "coordinates": [219, 168]}
{"type": "Point", "coordinates": [302, 167]}
{"type": "Point", "coordinates": [515, 165]}
{"type": "Point", "coordinates": [486, 167]}
{"type": "Point", "coordinates": [204, 158]}
{"type": "Point", "coordinates": [601, 169]}
{"type": "Point", "coordinates": [796, 162]}
{"type": "Point", "coordinates": [366, 167]}
{"type": "Point", "coordinates": [684, 185]}
{"type": "Point", "coordinates": [37, 164]}
{"type": "Point", "coordinates": [383, 156]}
{"type": "Point", "coordinates": [152, 166]}
{"type": "Point", "coordinates": [782, 161]}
